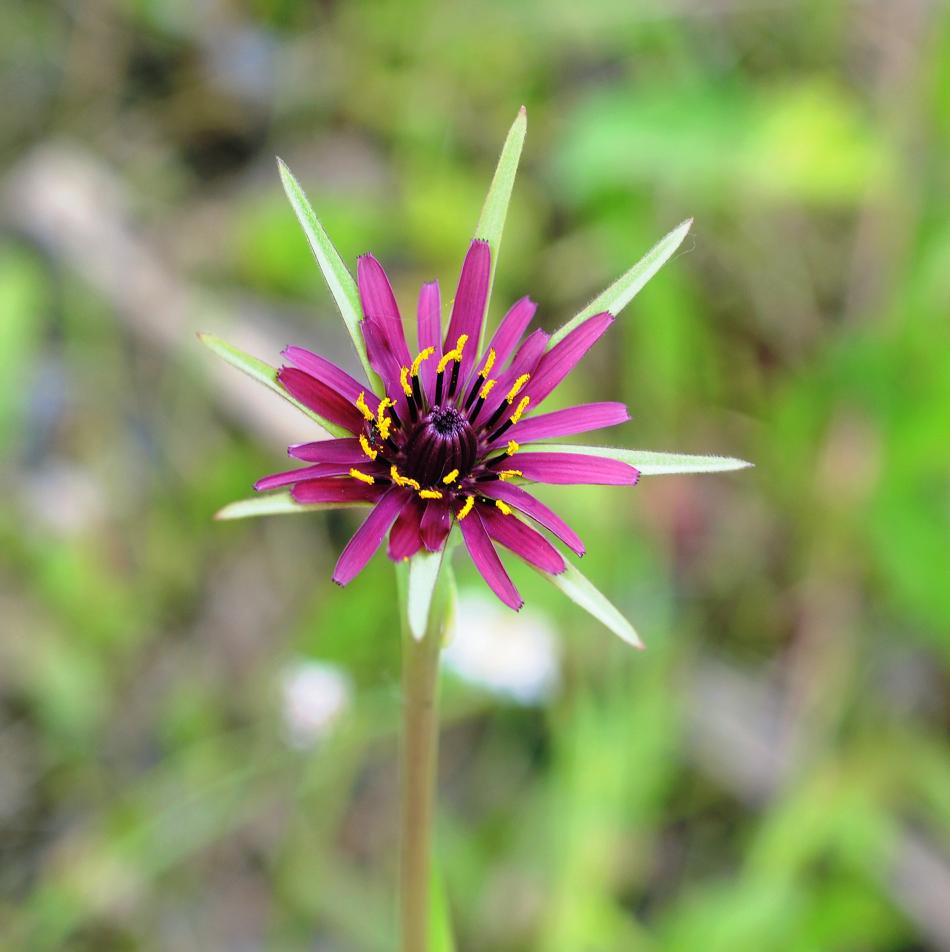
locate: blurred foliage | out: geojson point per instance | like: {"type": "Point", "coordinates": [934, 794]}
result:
{"type": "Point", "coordinates": [772, 773]}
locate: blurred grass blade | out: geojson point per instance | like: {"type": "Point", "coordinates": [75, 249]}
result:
{"type": "Point", "coordinates": [341, 283]}
{"type": "Point", "coordinates": [491, 222]}
{"type": "Point", "coordinates": [265, 374]}
{"type": "Point", "coordinates": [275, 504]}
{"type": "Point", "coordinates": [440, 923]}
{"type": "Point", "coordinates": [628, 285]}
{"type": "Point", "coordinates": [424, 569]}
{"type": "Point", "coordinates": [580, 590]}
{"type": "Point", "coordinates": [652, 463]}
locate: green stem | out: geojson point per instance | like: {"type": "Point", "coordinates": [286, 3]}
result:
{"type": "Point", "coordinates": [420, 734]}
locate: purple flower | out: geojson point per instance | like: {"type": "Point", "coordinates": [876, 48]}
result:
{"type": "Point", "coordinates": [447, 440]}
{"type": "Point", "coordinates": [448, 432]}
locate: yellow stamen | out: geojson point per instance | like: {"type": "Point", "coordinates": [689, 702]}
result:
{"type": "Point", "coordinates": [423, 356]}
{"type": "Point", "coordinates": [504, 507]}
{"type": "Point", "coordinates": [429, 494]}
{"type": "Point", "coordinates": [401, 480]}
{"type": "Point", "coordinates": [519, 383]}
{"type": "Point", "coordinates": [466, 508]}
{"type": "Point", "coordinates": [450, 477]}
{"type": "Point", "coordinates": [362, 407]}
{"type": "Point", "coordinates": [489, 363]}
{"type": "Point", "coordinates": [455, 354]}
{"type": "Point", "coordinates": [367, 449]}
{"type": "Point", "coordinates": [509, 473]}
{"type": "Point", "coordinates": [404, 381]}
{"type": "Point", "coordinates": [382, 421]}
{"type": "Point", "coordinates": [362, 477]}
{"type": "Point", "coordinates": [516, 416]}
{"type": "Point", "coordinates": [487, 389]}
{"type": "Point", "coordinates": [513, 448]}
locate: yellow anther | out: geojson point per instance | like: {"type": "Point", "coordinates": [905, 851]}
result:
{"type": "Point", "coordinates": [401, 480]}
{"type": "Point", "coordinates": [404, 381]}
{"type": "Point", "coordinates": [503, 507]}
{"type": "Point", "coordinates": [519, 383]}
{"type": "Point", "coordinates": [513, 448]}
{"type": "Point", "coordinates": [516, 416]}
{"type": "Point", "coordinates": [367, 449]}
{"type": "Point", "coordinates": [384, 405]}
{"type": "Point", "coordinates": [509, 473]}
{"type": "Point", "coordinates": [450, 477]}
{"type": "Point", "coordinates": [382, 421]}
{"type": "Point", "coordinates": [429, 494]}
{"type": "Point", "coordinates": [423, 356]}
{"type": "Point", "coordinates": [455, 354]}
{"type": "Point", "coordinates": [487, 389]}
{"type": "Point", "coordinates": [489, 363]}
{"type": "Point", "coordinates": [362, 407]}
{"type": "Point", "coordinates": [466, 508]}
{"type": "Point", "coordinates": [362, 477]}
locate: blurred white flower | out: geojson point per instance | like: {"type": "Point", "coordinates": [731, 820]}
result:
{"type": "Point", "coordinates": [512, 655]}
{"type": "Point", "coordinates": [314, 695]}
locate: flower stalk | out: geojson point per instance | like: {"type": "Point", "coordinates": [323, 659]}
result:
{"type": "Point", "coordinates": [419, 754]}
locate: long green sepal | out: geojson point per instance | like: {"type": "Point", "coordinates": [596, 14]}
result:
{"type": "Point", "coordinates": [580, 590]}
{"type": "Point", "coordinates": [262, 372]}
{"type": "Point", "coordinates": [275, 504]}
{"type": "Point", "coordinates": [628, 285]}
{"type": "Point", "coordinates": [423, 578]}
{"type": "Point", "coordinates": [337, 275]}
{"type": "Point", "coordinates": [649, 462]}
{"type": "Point", "coordinates": [491, 222]}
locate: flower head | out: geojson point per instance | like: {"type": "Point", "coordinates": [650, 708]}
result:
{"type": "Point", "coordinates": [449, 437]}
{"type": "Point", "coordinates": [448, 431]}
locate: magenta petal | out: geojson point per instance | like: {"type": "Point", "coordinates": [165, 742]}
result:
{"type": "Point", "coordinates": [544, 426]}
{"type": "Point", "coordinates": [523, 501]}
{"type": "Point", "coordinates": [335, 490]}
{"type": "Point", "coordinates": [430, 331]}
{"type": "Point", "coordinates": [384, 362]}
{"type": "Point", "coordinates": [468, 309]}
{"type": "Point", "coordinates": [486, 560]}
{"type": "Point", "coordinates": [568, 469]}
{"type": "Point", "coordinates": [521, 539]}
{"type": "Point", "coordinates": [312, 472]}
{"type": "Point", "coordinates": [379, 305]}
{"type": "Point", "coordinates": [367, 539]}
{"type": "Point", "coordinates": [346, 450]}
{"type": "Point", "coordinates": [510, 330]}
{"type": "Point", "coordinates": [435, 525]}
{"type": "Point", "coordinates": [327, 372]}
{"type": "Point", "coordinates": [564, 356]}
{"type": "Point", "coordinates": [404, 537]}
{"type": "Point", "coordinates": [524, 362]}
{"type": "Point", "coordinates": [320, 398]}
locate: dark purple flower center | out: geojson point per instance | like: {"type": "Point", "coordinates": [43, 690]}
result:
{"type": "Point", "coordinates": [442, 441]}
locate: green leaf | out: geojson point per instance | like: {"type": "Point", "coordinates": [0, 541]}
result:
{"type": "Point", "coordinates": [440, 923]}
{"type": "Point", "coordinates": [628, 285]}
{"type": "Point", "coordinates": [491, 222]}
{"type": "Point", "coordinates": [265, 374]}
{"type": "Point", "coordinates": [580, 590]}
{"type": "Point", "coordinates": [274, 504]}
{"type": "Point", "coordinates": [424, 570]}
{"type": "Point", "coordinates": [649, 462]}
{"type": "Point", "coordinates": [340, 281]}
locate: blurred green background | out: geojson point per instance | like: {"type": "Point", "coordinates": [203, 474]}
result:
{"type": "Point", "coordinates": [772, 773]}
